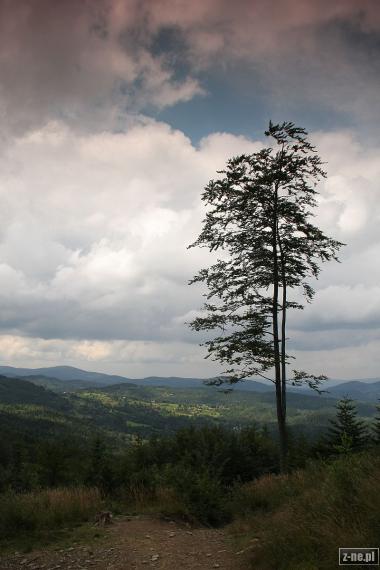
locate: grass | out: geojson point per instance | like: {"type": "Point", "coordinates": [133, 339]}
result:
{"type": "Point", "coordinates": [298, 521]}
{"type": "Point", "coordinates": [47, 515]}
{"type": "Point", "coordinates": [186, 410]}
{"type": "Point", "coordinates": [104, 399]}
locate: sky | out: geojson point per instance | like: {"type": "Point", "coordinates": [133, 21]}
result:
{"type": "Point", "coordinates": [114, 116]}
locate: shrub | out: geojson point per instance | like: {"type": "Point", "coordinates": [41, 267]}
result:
{"type": "Point", "coordinates": [203, 495]}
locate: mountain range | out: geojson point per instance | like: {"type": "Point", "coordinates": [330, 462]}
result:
{"type": "Point", "coordinates": [76, 375]}
{"type": "Point", "coordinates": [67, 378]}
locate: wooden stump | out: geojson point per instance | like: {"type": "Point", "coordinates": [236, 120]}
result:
{"type": "Point", "coordinates": [103, 518]}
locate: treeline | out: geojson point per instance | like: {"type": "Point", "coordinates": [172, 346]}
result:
{"type": "Point", "coordinates": [213, 457]}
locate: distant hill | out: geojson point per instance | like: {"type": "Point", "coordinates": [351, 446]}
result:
{"type": "Point", "coordinates": [16, 391]}
{"type": "Point", "coordinates": [357, 390]}
{"type": "Point", "coordinates": [74, 375]}
{"type": "Point", "coordinates": [179, 382]}
{"type": "Point", "coordinates": [69, 378]}
{"type": "Point", "coordinates": [65, 373]}
{"type": "Point", "coordinates": [60, 386]}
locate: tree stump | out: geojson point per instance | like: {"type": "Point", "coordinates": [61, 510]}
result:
{"type": "Point", "coordinates": [103, 518]}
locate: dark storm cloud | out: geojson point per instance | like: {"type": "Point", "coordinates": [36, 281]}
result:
{"type": "Point", "coordinates": [79, 61]}
{"type": "Point", "coordinates": [88, 62]}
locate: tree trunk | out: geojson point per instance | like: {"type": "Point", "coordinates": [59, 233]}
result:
{"type": "Point", "coordinates": [281, 416]}
{"type": "Point", "coordinates": [283, 438]}
{"type": "Point", "coordinates": [283, 427]}
{"type": "Point", "coordinates": [282, 431]}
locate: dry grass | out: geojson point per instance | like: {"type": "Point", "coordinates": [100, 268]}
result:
{"type": "Point", "coordinates": [46, 509]}
{"type": "Point", "coordinates": [163, 500]}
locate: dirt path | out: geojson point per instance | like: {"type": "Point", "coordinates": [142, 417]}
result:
{"type": "Point", "coordinates": [140, 543]}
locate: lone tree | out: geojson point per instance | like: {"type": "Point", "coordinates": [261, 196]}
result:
{"type": "Point", "coordinates": [346, 432]}
{"type": "Point", "coordinates": [258, 216]}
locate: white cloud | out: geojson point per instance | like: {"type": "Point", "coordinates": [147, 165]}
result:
{"type": "Point", "coordinates": [351, 190]}
{"type": "Point", "coordinates": [95, 229]}
{"type": "Point", "coordinates": [129, 358]}
{"type": "Point", "coordinates": [361, 361]}
{"type": "Point", "coordinates": [94, 266]}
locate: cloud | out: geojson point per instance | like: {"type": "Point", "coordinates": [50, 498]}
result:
{"type": "Point", "coordinates": [81, 62]}
{"type": "Point", "coordinates": [346, 309]}
{"type": "Point", "coordinates": [353, 169]}
{"type": "Point", "coordinates": [269, 31]}
{"type": "Point", "coordinates": [93, 64]}
{"type": "Point", "coordinates": [95, 229]}
{"type": "Point", "coordinates": [94, 266]}
{"type": "Point", "coordinates": [361, 361]}
{"type": "Point", "coordinates": [130, 358]}
{"type": "Point", "coordinates": [315, 52]}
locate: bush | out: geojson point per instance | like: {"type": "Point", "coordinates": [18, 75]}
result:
{"type": "Point", "coordinates": [204, 497]}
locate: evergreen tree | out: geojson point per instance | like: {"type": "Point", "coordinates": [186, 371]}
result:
{"type": "Point", "coordinates": [258, 215]}
{"type": "Point", "coordinates": [346, 433]}
{"type": "Point", "coordinates": [376, 427]}
{"type": "Point", "coordinates": [99, 472]}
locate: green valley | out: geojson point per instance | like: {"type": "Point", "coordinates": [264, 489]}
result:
{"type": "Point", "coordinates": [123, 411]}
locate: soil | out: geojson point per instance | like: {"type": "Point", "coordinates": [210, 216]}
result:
{"type": "Point", "coordinates": [140, 543]}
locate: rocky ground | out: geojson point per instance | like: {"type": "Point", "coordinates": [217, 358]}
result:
{"type": "Point", "coordinates": [140, 543]}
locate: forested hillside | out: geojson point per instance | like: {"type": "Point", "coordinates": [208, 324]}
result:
{"type": "Point", "coordinates": [123, 411]}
